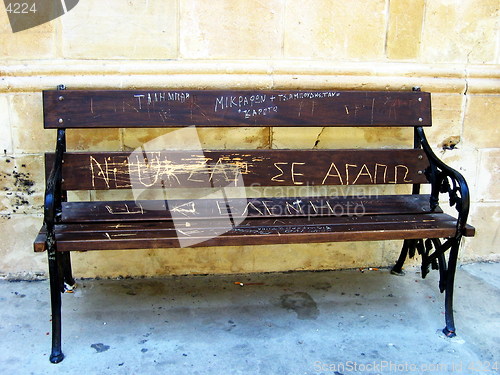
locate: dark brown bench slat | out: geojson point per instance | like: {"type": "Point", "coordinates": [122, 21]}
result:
{"type": "Point", "coordinates": [82, 237]}
{"type": "Point", "coordinates": [161, 108]}
{"type": "Point", "coordinates": [133, 226]}
{"type": "Point", "coordinates": [170, 169]}
{"type": "Point", "coordinates": [153, 210]}
{"type": "Point", "coordinates": [39, 244]}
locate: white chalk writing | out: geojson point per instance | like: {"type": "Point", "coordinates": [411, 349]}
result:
{"type": "Point", "coordinates": [151, 98]}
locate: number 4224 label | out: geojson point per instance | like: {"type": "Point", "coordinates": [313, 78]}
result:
{"type": "Point", "coordinates": [21, 8]}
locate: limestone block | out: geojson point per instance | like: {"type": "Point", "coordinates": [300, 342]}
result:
{"type": "Point", "coordinates": [405, 29]}
{"type": "Point", "coordinates": [22, 181]}
{"type": "Point", "coordinates": [78, 195]}
{"type": "Point", "coordinates": [464, 161]}
{"type": "Point", "coordinates": [93, 139]}
{"type": "Point", "coordinates": [488, 180]}
{"type": "Point", "coordinates": [460, 31]}
{"type": "Point", "coordinates": [238, 138]}
{"type": "Point", "coordinates": [26, 119]}
{"type": "Point", "coordinates": [120, 29]}
{"type": "Point", "coordinates": [232, 259]}
{"type": "Point", "coordinates": [291, 137]}
{"type": "Point", "coordinates": [481, 123]}
{"type": "Point", "coordinates": [36, 43]}
{"type": "Point", "coordinates": [225, 29]}
{"type": "Point", "coordinates": [342, 137]}
{"type": "Point", "coordinates": [484, 246]}
{"type": "Point", "coordinates": [5, 129]}
{"type": "Point", "coordinates": [192, 139]}
{"type": "Point", "coordinates": [335, 29]}
{"type": "Point", "coordinates": [17, 258]}
{"type": "Point", "coordinates": [446, 119]}
{"type": "Point", "coordinates": [29, 136]}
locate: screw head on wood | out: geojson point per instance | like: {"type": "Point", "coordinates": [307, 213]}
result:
{"type": "Point", "coordinates": [420, 172]}
{"type": "Point", "coordinates": [61, 98]}
{"type": "Point", "coordinates": [420, 119]}
{"type": "Point", "coordinates": [61, 121]}
{"type": "Point", "coordinates": [420, 157]}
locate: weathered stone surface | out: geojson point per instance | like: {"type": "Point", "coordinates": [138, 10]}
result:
{"type": "Point", "coordinates": [405, 29]}
{"type": "Point", "coordinates": [488, 186]}
{"type": "Point", "coordinates": [5, 129]}
{"type": "Point", "coordinates": [460, 31]}
{"type": "Point", "coordinates": [121, 29]}
{"type": "Point", "coordinates": [481, 124]}
{"type": "Point", "coordinates": [231, 259]}
{"type": "Point", "coordinates": [464, 161]}
{"type": "Point", "coordinates": [447, 114]}
{"type": "Point", "coordinates": [39, 42]}
{"type": "Point", "coordinates": [193, 139]}
{"type": "Point", "coordinates": [26, 120]}
{"type": "Point", "coordinates": [484, 246]}
{"type": "Point", "coordinates": [321, 29]}
{"type": "Point", "coordinates": [16, 249]}
{"type": "Point", "coordinates": [318, 137]}
{"type": "Point", "coordinates": [225, 29]}
{"type": "Point", "coordinates": [93, 139]}
{"type": "Point", "coordinates": [22, 184]}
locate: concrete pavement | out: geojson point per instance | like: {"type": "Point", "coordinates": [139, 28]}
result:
{"type": "Point", "coordinates": [335, 322]}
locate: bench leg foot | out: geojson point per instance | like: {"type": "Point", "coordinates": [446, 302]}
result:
{"type": "Point", "coordinates": [56, 355]}
{"type": "Point", "coordinates": [398, 267]}
{"type": "Point", "coordinates": [449, 333]}
{"type": "Point", "coordinates": [449, 330]}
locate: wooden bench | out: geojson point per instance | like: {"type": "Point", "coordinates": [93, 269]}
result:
{"type": "Point", "coordinates": [219, 219]}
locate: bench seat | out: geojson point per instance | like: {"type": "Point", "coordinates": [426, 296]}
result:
{"type": "Point", "coordinates": [91, 226]}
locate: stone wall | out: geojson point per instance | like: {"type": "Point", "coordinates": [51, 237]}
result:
{"type": "Point", "coordinates": [448, 47]}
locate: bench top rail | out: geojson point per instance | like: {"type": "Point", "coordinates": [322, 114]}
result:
{"type": "Point", "coordinates": [211, 108]}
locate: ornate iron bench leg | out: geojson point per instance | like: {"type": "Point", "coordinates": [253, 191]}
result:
{"type": "Point", "coordinates": [398, 267]}
{"type": "Point", "coordinates": [55, 264]}
{"type": "Point", "coordinates": [449, 330]}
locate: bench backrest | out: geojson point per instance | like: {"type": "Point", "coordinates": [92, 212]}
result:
{"type": "Point", "coordinates": [179, 168]}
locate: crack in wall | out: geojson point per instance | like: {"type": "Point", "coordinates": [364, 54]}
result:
{"type": "Point", "coordinates": [318, 137]}
{"type": "Point", "coordinates": [465, 100]}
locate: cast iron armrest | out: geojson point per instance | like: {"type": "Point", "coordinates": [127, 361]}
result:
{"type": "Point", "coordinates": [445, 179]}
{"type": "Point", "coordinates": [52, 201]}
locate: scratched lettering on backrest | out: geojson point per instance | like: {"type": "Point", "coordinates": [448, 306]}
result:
{"type": "Point", "coordinates": [164, 108]}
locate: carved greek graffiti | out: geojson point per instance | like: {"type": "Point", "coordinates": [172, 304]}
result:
{"type": "Point", "coordinates": [223, 208]}
{"type": "Point", "coordinates": [275, 178]}
{"type": "Point", "coordinates": [259, 104]}
{"type": "Point", "coordinates": [125, 209]}
{"type": "Point", "coordinates": [370, 171]}
{"type": "Point", "coordinates": [157, 170]}
{"type": "Point", "coordinates": [274, 108]}
{"type": "Point", "coordinates": [161, 170]}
